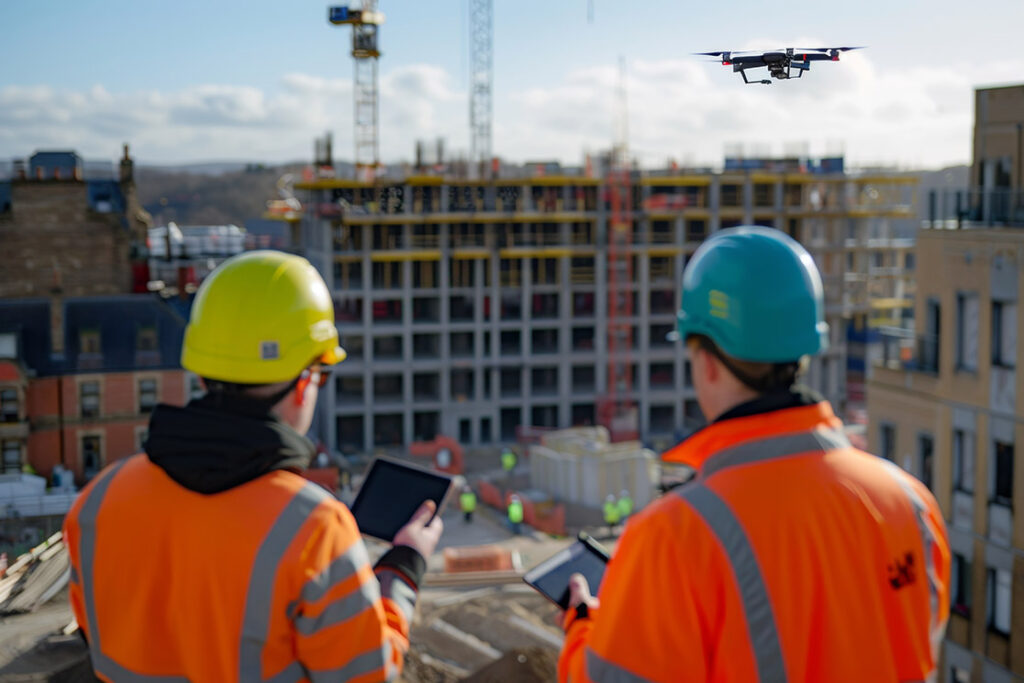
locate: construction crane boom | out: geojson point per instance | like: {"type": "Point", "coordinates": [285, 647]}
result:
{"type": "Point", "coordinates": [481, 50]}
{"type": "Point", "coordinates": [364, 21]}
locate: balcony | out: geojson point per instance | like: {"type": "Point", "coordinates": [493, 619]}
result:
{"type": "Point", "coordinates": [902, 349]}
{"type": "Point", "coordinates": [975, 208]}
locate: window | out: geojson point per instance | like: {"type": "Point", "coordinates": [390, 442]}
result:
{"type": "Point", "coordinates": [925, 453]}
{"type": "Point", "coordinates": [147, 395]}
{"type": "Point", "coordinates": [999, 595]}
{"type": "Point", "coordinates": [8, 405]}
{"type": "Point", "coordinates": [8, 346]}
{"type": "Point", "coordinates": [960, 586]}
{"type": "Point", "coordinates": [967, 331]}
{"type": "Point", "coordinates": [1004, 334]}
{"type": "Point", "coordinates": [145, 339]}
{"type": "Point", "coordinates": [11, 456]}
{"type": "Point", "coordinates": [89, 399]}
{"type": "Point", "coordinates": [141, 434]}
{"type": "Point", "coordinates": [387, 348]}
{"type": "Point", "coordinates": [1003, 488]}
{"type": "Point", "coordinates": [462, 385]}
{"type": "Point", "coordinates": [89, 341]}
{"type": "Point", "coordinates": [92, 460]}
{"type": "Point", "coordinates": [963, 461]}
{"type": "Point", "coordinates": [887, 442]}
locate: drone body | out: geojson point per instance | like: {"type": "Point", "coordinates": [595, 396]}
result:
{"type": "Point", "coordinates": [781, 64]}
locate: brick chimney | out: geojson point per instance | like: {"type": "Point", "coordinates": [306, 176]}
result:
{"type": "Point", "coordinates": [56, 313]}
{"type": "Point", "coordinates": [127, 166]}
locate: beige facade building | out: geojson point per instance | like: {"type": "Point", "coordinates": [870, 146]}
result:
{"type": "Point", "coordinates": [945, 402]}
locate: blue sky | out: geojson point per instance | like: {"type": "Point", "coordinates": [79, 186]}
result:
{"type": "Point", "coordinates": [191, 81]}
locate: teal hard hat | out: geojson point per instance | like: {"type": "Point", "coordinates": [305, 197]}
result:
{"type": "Point", "coordinates": [757, 294]}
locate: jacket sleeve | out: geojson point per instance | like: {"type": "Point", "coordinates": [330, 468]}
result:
{"type": "Point", "coordinates": [351, 622]}
{"type": "Point", "coordinates": [71, 538]}
{"type": "Point", "coordinates": [650, 582]}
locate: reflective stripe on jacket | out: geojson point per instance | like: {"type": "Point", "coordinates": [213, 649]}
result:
{"type": "Point", "coordinates": [267, 581]}
{"type": "Point", "coordinates": [791, 557]}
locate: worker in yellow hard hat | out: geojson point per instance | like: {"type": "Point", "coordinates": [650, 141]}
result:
{"type": "Point", "coordinates": [214, 515]}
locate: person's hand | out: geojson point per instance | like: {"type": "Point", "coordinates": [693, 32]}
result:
{"type": "Point", "coordinates": [418, 534]}
{"type": "Point", "coordinates": [579, 593]}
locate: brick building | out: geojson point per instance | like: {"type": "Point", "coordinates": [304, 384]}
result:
{"type": "Point", "coordinates": [79, 377]}
{"type": "Point", "coordinates": [69, 223]}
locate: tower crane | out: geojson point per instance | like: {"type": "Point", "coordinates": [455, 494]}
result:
{"type": "Point", "coordinates": [364, 21]}
{"type": "Point", "coordinates": [481, 50]}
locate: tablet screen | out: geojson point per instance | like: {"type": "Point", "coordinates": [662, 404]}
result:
{"type": "Point", "coordinates": [551, 577]}
{"type": "Point", "coordinates": [391, 493]}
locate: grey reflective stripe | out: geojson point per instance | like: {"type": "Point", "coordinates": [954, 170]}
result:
{"type": "Point", "coordinates": [393, 586]}
{"type": "Point", "coordinates": [937, 626]}
{"type": "Point", "coordinates": [342, 609]}
{"type": "Point", "coordinates": [74, 576]}
{"type": "Point", "coordinates": [256, 620]}
{"type": "Point", "coordinates": [757, 606]}
{"type": "Point", "coordinates": [603, 671]}
{"type": "Point", "coordinates": [377, 658]}
{"type": "Point", "coordinates": [87, 515]}
{"type": "Point", "coordinates": [775, 447]}
{"type": "Point", "coordinates": [340, 569]}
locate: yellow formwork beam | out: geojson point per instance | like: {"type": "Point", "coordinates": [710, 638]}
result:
{"type": "Point", "coordinates": [405, 255]}
{"type": "Point", "coordinates": [469, 254]}
{"type": "Point", "coordinates": [533, 252]}
{"type": "Point", "coordinates": [678, 181]}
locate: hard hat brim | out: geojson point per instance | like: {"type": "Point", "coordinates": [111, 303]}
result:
{"type": "Point", "coordinates": [333, 356]}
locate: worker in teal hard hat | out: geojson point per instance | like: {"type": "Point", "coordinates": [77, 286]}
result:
{"type": "Point", "coordinates": [776, 477]}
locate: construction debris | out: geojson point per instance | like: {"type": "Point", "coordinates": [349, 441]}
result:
{"type": "Point", "coordinates": [35, 578]}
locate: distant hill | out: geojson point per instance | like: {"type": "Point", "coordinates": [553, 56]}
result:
{"type": "Point", "coordinates": [209, 194]}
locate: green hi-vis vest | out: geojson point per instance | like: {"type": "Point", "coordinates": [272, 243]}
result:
{"type": "Point", "coordinates": [515, 512]}
{"type": "Point", "coordinates": [508, 461]}
{"type": "Point", "coordinates": [468, 501]}
{"type": "Point", "coordinates": [611, 512]}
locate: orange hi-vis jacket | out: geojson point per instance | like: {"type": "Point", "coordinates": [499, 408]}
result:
{"type": "Point", "coordinates": [790, 557]}
{"type": "Point", "coordinates": [267, 581]}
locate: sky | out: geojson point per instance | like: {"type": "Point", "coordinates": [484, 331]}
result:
{"type": "Point", "coordinates": [195, 80]}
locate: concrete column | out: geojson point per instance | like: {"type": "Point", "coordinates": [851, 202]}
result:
{"type": "Point", "coordinates": [714, 204]}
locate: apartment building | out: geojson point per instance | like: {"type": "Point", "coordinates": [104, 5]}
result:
{"type": "Point", "coordinates": [79, 377]}
{"type": "Point", "coordinates": [473, 308]}
{"type": "Point", "coordinates": [944, 402]}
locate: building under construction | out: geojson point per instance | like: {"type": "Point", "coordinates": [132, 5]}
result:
{"type": "Point", "coordinates": [477, 307]}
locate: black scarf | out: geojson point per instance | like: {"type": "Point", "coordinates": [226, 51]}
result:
{"type": "Point", "coordinates": [218, 442]}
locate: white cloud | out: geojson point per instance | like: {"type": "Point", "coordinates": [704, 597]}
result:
{"type": "Point", "coordinates": [683, 108]}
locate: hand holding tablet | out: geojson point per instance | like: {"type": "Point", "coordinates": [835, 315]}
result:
{"type": "Point", "coordinates": [392, 496]}
{"type": "Point", "coordinates": [551, 577]}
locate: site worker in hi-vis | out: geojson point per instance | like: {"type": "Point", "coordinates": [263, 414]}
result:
{"type": "Point", "coordinates": [208, 558]}
{"type": "Point", "coordinates": [791, 555]}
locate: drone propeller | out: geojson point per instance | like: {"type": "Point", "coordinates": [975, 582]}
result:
{"type": "Point", "coordinates": [827, 49]}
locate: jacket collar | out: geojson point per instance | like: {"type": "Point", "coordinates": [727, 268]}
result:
{"type": "Point", "coordinates": [723, 434]}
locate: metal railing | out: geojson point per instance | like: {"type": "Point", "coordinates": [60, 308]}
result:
{"type": "Point", "coordinates": [903, 349]}
{"type": "Point", "coordinates": [976, 207]}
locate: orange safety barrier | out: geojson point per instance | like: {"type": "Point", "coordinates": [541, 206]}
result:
{"type": "Point", "coordinates": [491, 495]}
{"type": "Point", "coordinates": [479, 558]}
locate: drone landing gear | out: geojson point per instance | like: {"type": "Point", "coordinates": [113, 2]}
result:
{"type": "Point", "coordinates": [743, 72]}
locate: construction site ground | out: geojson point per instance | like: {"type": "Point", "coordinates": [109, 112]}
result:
{"type": "Point", "coordinates": [476, 630]}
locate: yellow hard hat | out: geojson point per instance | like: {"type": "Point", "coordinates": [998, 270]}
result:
{"type": "Point", "coordinates": [261, 317]}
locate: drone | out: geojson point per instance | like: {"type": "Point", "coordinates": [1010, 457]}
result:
{"type": "Point", "coordinates": [780, 63]}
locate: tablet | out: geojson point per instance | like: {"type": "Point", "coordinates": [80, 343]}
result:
{"type": "Point", "coordinates": [551, 577]}
{"type": "Point", "coordinates": [391, 492]}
